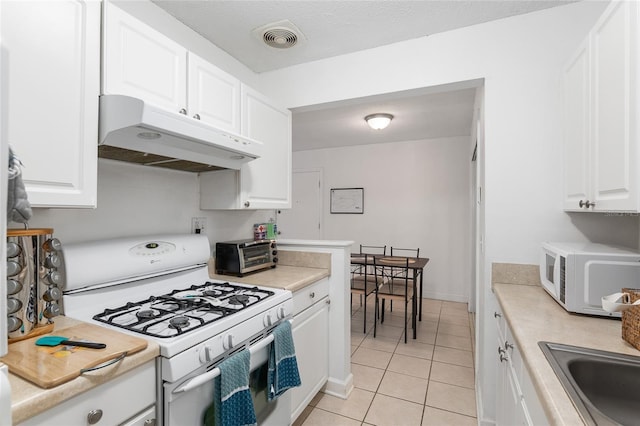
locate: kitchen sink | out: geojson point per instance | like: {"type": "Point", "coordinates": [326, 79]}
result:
{"type": "Point", "coordinates": [604, 386]}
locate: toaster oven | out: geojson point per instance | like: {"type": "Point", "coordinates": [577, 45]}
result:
{"type": "Point", "coordinates": [244, 256]}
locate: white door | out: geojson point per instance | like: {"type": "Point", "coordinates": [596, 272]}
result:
{"type": "Point", "coordinates": [302, 220]}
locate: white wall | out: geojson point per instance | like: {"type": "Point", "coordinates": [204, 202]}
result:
{"type": "Point", "coordinates": [138, 200]}
{"type": "Point", "coordinates": [520, 59]}
{"type": "Point", "coordinates": [416, 194]}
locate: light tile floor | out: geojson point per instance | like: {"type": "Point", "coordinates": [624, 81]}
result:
{"type": "Point", "coordinates": [426, 382]}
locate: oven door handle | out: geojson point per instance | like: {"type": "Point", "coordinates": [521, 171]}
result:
{"type": "Point", "coordinates": [210, 375]}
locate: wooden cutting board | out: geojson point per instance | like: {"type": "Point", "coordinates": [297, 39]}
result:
{"type": "Point", "coordinates": [50, 366]}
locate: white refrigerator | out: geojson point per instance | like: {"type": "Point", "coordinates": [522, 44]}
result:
{"type": "Point", "coordinates": [5, 389]}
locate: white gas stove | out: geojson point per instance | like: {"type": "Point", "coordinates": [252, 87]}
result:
{"type": "Point", "coordinates": [158, 288]}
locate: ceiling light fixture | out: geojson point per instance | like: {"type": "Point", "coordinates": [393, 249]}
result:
{"type": "Point", "coordinates": [378, 121]}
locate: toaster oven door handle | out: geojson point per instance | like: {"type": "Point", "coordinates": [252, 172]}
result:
{"type": "Point", "coordinates": [210, 375]}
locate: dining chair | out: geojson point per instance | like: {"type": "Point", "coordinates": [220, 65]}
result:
{"type": "Point", "coordinates": [369, 249]}
{"type": "Point", "coordinates": [398, 288]}
{"type": "Point", "coordinates": [397, 274]}
{"type": "Point", "coordinates": [359, 269]}
{"type": "Point", "coordinates": [363, 285]}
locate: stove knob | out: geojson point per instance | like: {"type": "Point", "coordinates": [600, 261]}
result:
{"type": "Point", "coordinates": [267, 321]}
{"type": "Point", "coordinates": [205, 354]}
{"type": "Point", "coordinates": [227, 342]}
{"type": "Point", "coordinates": [13, 249]}
{"type": "Point", "coordinates": [281, 312]}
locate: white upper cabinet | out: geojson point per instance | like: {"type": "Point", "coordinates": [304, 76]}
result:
{"type": "Point", "coordinates": [601, 115]}
{"type": "Point", "coordinates": [264, 183]}
{"type": "Point", "coordinates": [141, 62]}
{"type": "Point", "coordinates": [51, 80]}
{"type": "Point", "coordinates": [577, 184]}
{"type": "Point", "coordinates": [214, 95]}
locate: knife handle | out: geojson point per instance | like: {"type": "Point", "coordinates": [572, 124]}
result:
{"type": "Point", "coordinates": [91, 345]}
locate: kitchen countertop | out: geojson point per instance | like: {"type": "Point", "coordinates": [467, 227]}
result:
{"type": "Point", "coordinates": [534, 316]}
{"type": "Point", "coordinates": [295, 270]}
{"type": "Point", "coordinates": [28, 400]}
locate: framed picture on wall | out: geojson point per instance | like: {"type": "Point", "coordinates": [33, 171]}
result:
{"type": "Point", "coordinates": [347, 200]}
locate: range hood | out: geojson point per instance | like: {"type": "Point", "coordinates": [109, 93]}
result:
{"type": "Point", "coordinates": [135, 131]}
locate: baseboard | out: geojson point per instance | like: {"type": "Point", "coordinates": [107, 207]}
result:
{"type": "Point", "coordinates": [338, 388]}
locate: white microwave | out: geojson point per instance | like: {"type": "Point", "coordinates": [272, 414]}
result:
{"type": "Point", "coordinates": [578, 275]}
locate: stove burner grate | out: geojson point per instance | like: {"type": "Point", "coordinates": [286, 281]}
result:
{"type": "Point", "coordinates": [184, 310]}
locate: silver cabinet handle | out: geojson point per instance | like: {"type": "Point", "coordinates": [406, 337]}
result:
{"type": "Point", "coordinates": [508, 345]}
{"type": "Point", "coordinates": [197, 116]}
{"type": "Point", "coordinates": [247, 204]}
{"type": "Point", "coordinates": [500, 350]}
{"type": "Point", "coordinates": [497, 315]}
{"type": "Point", "coordinates": [586, 204]}
{"type": "Point", "coordinates": [183, 111]}
{"type": "Point", "coordinates": [503, 358]}
{"type": "Point", "coordinates": [94, 416]}
{"type": "Point", "coordinates": [312, 295]}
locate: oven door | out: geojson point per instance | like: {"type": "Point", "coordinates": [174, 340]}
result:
{"type": "Point", "coordinates": [188, 407]}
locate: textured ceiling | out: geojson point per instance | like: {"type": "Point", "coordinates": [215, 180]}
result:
{"type": "Point", "coordinates": [333, 28]}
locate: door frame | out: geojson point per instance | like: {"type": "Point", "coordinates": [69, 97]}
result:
{"type": "Point", "coordinates": [321, 201]}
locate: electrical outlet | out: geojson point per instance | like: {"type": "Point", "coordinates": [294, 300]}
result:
{"type": "Point", "coordinates": [198, 224]}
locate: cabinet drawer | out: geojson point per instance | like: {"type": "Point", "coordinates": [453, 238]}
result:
{"type": "Point", "coordinates": [306, 297]}
{"type": "Point", "coordinates": [119, 400]}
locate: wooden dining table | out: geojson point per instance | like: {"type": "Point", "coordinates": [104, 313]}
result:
{"type": "Point", "coordinates": [416, 264]}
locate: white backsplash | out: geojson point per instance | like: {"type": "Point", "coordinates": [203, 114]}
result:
{"type": "Point", "coordinates": [139, 200]}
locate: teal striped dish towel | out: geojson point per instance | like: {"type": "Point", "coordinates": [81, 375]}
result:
{"type": "Point", "coordinates": [232, 402]}
{"type": "Point", "coordinates": [283, 371]}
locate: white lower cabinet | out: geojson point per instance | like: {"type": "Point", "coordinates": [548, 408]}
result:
{"type": "Point", "coordinates": [51, 82]}
{"type": "Point", "coordinates": [311, 340]}
{"type": "Point", "coordinates": [516, 400]}
{"type": "Point", "coordinates": [128, 399]}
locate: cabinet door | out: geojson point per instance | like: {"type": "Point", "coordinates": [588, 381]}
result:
{"type": "Point", "coordinates": [266, 182]}
{"type": "Point", "coordinates": [615, 44]}
{"type": "Point", "coordinates": [576, 131]}
{"type": "Point", "coordinates": [141, 62]}
{"type": "Point", "coordinates": [51, 85]}
{"type": "Point", "coordinates": [214, 95]}
{"type": "Point", "coordinates": [311, 341]}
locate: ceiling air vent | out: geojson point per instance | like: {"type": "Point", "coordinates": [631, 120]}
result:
{"type": "Point", "coordinates": [279, 35]}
